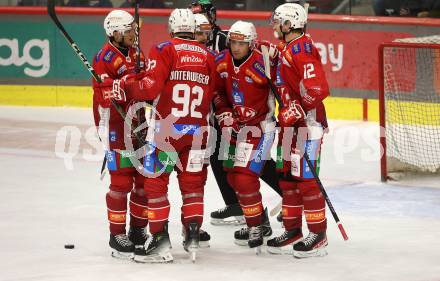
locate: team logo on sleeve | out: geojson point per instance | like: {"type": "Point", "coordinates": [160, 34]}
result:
{"type": "Point", "coordinates": [308, 47]}
{"type": "Point", "coordinates": [160, 46]}
{"type": "Point", "coordinates": [259, 68]}
{"type": "Point", "coordinates": [98, 55]}
{"type": "Point", "coordinates": [296, 49]}
{"type": "Point", "coordinates": [108, 56]}
{"type": "Point", "coordinates": [220, 56]}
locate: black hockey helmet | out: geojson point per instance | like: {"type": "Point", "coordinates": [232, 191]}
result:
{"type": "Point", "coordinates": [204, 7]}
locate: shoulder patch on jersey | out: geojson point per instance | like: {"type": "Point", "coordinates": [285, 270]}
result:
{"type": "Point", "coordinates": [211, 52]}
{"type": "Point", "coordinates": [296, 48]}
{"type": "Point", "coordinates": [108, 56]}
{"type": "Point", "coordinates": [98, 55]}
{"type": "Point", "coordinates": [160, 46]}
{"type": "Point", "coordinates": [308, 47]}
{"type": "Point", "coordinates": [259, 68]}
{"type": "Point", "coordinates": [220, 56]}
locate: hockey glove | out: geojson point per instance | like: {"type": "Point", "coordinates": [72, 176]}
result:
{"type": "Point", "coordinates": [273, 50]}
{"type": "Point", "coordinates": [226, 120]}
{"type": "Point", "coordinates": [290, 114]}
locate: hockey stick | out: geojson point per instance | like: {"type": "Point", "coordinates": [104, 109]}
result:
{"type": "Point", "coordinates": [138, 42]}
{"type": "Point", "coordinates": [266, 61]}
{"type": "Point", "coordinates": [53, 16]}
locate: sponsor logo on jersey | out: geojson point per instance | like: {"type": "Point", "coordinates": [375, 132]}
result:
{"type": "Point", "coordinates": [245, 113]}
{"type": "Point", "coordinates": [191, 48]}
{"type": "Point", "coordinates": [308, 47]}
{"type": "Point", "coordinates": [121, 69]}
{"type": "Point", "coordinates": [224, 75]}
{"type": "Point", "coordinates": [296, 48]}
{"type": "Point", "coordinates": [248, 79]}
{"type": "Point", "coordinates": [111, 160]}
{"type": "Point", "coordinates": [222, 67]}
{"type": "Point", "coordinates": [118, 62]}
{"type": "Point", "coordinates": [163, 44]}
{"type": "Point", "coordinates": [112, 136]}
{"type": "Point", "coordinates": [254, 76]}
{"type": "Point", "coordinates": [259, 68]}
{"type": "Point", "coordinates": [187, 129]}
{"type": "Point", "coordinates": [238, 97]}
{"type": "Point", "coordinates": [98, 55]}
{"type": "Point", "coordinates": [108, 56]}
{"type": "Point", "coordinates": [186, 58]}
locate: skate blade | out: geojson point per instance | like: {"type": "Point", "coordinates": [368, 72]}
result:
{"type": "Point", "coordinates": [257, 250]}
{"type": "Point", "coordinates": [321, 252]}
{"type": "Point", "coordinates": [122, 255]}
{"type": "Point", "coordinates": [238, 220]}
{"type": "Point", "coordinates": [245, 242]}
{"type": "Point", "coordinates": [241, 242]}
{"type": "Point", "coordinates": [284, 250]}
{"type": "Point", "coordinates": [193, 255]}
{"type": "Point", "coordinates": [163, 258]}
{"type": "Point", "coordinates": [204, 244]}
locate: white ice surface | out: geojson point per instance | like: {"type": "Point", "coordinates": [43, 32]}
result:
{"type": "Point", "coordinates": [394, 230]}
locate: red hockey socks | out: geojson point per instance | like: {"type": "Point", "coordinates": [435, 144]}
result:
{"type": "Point", "coordinates": [192, 209]}
{"type": "Point", "coordinates": [314, 206]}
{"type": "Point", "coordinates": [138, 208]}
{"type": "Point", "coordinates": [292, 207]}
{"type": "Point", "coordinates": [158, 213]}
{"type": "Point", "coordinates": [116, 211]}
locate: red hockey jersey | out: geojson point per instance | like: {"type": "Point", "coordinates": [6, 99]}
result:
{"type": "Point", "coordinates": [180, 78]}
{"type": "Point", "coordinates": [110, 63]}
{"type": "Point", "coordinates": [301, 77]}
{"type": "Point", "coordinates": [244, 89]}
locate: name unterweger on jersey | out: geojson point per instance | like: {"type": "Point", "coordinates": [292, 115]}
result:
{"type": "Point", "coordinates": [189, 76]}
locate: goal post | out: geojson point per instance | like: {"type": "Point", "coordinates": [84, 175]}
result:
{"type": "Point", "coordinates": [409, 106]}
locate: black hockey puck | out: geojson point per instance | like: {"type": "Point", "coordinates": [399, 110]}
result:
{"type": "Point", "coordinates": [69, 246]}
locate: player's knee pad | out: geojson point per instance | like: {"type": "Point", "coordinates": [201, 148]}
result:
{"type": "Point", "coordinates": [286, 185]}
{"type": "Point", "coordinates": [192, 182]}
{"type": "Point", "coordinates": [245, 183]}
{"type": "Point", "coordinates": [156, 187]}
{"type": "Point", "coordinates": [309, 187]}
{"type": "Point", "coordinates": [121, 183]}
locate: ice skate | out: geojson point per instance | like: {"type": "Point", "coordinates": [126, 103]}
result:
{"type": "Point", "coordinates": [122, 247]}
{"type": "Point", "coordinates": [242, 236]}
{"type": "Point", "coordinates": [229, 215]}
{"type": "Point", "coordinates": [156, 250]}
{"type": "Point", "coordinates": [283, 244]}
{"type": "Point", "coordinates": [192, 239]}
{"type": "Point", "coordinates": [312, 246]}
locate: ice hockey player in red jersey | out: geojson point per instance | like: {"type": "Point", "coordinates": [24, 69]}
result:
{"type": "Point", "coordinates": [116, 59]}
{"type": "Point", "coordinates": [180, 80]}
{"type": "Point", "coordinates": [246, 105]}
{"type": "Point", "coordinates": [302, 86]}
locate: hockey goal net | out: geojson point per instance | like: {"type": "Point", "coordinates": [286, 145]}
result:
{"type": "Point", "coordinates": [409, 106]}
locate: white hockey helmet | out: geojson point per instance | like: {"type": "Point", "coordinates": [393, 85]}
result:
{"type": "Point", "coordinates": [290, 12]}
{"type": "Point", "coordinates": [182, 21]}
{"type": "Point", "coordinates": [118, 20]}
{"type": "Point", "coordinates": [243, 31]}
{"type": "Point", "coordinates": [202, 23]}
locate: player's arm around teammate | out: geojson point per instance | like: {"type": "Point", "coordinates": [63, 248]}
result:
{"type": "Point", "coordinates": [116, 59]}
{"type": "Point", "coordinates": [302, 85]}
{"type": "Point", "coordinates": [246, 106]}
